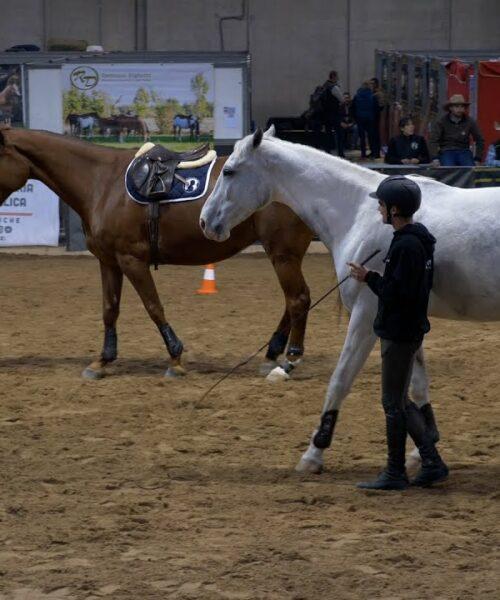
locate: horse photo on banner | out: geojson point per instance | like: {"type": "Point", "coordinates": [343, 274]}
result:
{"type": "Point", "coordinates": [137, 102]}
{"type": "Point", "coordinates": [11, 97]}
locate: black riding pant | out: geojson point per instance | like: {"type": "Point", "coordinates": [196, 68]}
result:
{"type": "Point", "coordinates": [397, 367]}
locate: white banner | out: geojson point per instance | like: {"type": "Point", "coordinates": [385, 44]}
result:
{"type": "Point", "coordinates": [30, 217]}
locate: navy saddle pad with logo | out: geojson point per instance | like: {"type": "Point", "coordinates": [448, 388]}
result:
{"type": "Point", "coordinates": [191, 185]}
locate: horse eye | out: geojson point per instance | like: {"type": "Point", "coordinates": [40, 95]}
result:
{"type": "Point", "coordinates": [228, 172]}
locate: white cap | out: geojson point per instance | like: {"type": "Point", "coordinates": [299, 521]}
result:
{"type": "Point", "coordinates": [95, 49]}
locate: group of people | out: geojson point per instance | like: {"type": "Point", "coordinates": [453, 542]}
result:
{"type": "Point", "coordinates": [449, 139]}
{"type": "Point", "coordinates": [346, 119]}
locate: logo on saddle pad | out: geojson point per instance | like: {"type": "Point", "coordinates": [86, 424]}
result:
{"type": "Point", "coordinates": [84, 78]}
{"type": "Point", "coordinates": [192, 184]}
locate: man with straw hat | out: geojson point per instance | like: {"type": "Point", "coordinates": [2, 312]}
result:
{"type": "Point", "coordinates": [449, 141]}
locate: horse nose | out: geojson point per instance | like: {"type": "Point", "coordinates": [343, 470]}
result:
{"type": "Point", "coordinates": [202, 224]}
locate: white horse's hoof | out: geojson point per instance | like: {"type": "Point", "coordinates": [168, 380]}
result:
{"type": "Point", "coordinates": [307, 465]}
{"type": "Point", "coordinates": [413, 461]}
{"type": "Point", "coordinates": [266, 367]}
{"type": "Point", "coordinates": [92, 374]}
{"type": "Point", "coordinates": [278, 374]}
{"type": "Point", "coordinates": [175, 372]}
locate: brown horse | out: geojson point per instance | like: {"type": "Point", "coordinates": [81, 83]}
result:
{"type": "Point", "coordinates": [124, 125]}
{"type": "Point", "coordinates": [90, 179]}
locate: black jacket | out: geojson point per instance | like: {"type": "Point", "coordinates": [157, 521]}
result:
{"type": "Point", "coordinates": [407, 146]}
{"type": "Point", "coordinates": [403, 290]}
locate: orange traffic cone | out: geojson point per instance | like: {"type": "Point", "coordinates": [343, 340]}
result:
{"type": "Point", "coordinates": [208, 283]}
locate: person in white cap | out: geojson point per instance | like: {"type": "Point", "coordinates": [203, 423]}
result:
{"type": "Point", "coordinates": [450, 138]}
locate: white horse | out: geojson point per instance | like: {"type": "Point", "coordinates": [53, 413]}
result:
{"type": "Point", "coordinates": [331, 197]}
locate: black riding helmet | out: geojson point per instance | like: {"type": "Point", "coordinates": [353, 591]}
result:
{"type": "Point", "coordinates": [401, 192]}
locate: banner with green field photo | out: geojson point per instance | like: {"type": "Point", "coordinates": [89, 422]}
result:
{"type": "Point", "coordinates": [127, 104]}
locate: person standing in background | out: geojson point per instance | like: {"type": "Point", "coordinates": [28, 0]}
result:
{"type": "Point", "coordinates": [332, 100]}
{"type": "Point", "coordinates": [365, 112]}
{"type": "Point", "coordinates": [348, 129]}
{"type": "Point", "coordinates": [380, 99]}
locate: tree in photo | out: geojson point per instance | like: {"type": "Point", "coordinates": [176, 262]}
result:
{"type": "Point", "coordinates": [141, 103]}
{"type": "Point", "coordinates": [165, 113]}
{"type": "Point", "coordinates": [201, 107]}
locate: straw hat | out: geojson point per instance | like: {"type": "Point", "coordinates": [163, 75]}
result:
{"type": "Point", "coordinates": [454, 100]}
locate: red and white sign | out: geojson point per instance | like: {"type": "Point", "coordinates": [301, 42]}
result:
{"type": "Point", "coordinates": [30, 217]}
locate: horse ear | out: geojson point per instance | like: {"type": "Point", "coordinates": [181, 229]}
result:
{"type": "Point", "coordinates": [271, 132]}
{"type": "Point", "coordinates": [257, 138]}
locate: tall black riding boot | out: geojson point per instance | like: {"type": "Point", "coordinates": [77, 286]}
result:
{"type": "Point", "coordinates": [433, 468]}
{"type": "Point", "coordinates": [430, 422]}
{"type": "Point", "coordinates": [394, 476]}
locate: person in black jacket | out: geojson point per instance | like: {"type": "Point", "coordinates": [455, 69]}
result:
{"type": "Point", "coordinates": [401, 323]}
{"type": "Point", "coordinates": [407, 148]}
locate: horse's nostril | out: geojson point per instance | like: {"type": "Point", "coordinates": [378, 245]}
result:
{"type": "Point", "coordinates": [202, 224]}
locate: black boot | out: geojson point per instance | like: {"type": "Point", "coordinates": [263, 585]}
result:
{"type": "Point", "coordinates": [433, 468]}
{"type": "Point", "coordinates": [394, 476]}
{"type": "Point", "coordinates": [430, 422]}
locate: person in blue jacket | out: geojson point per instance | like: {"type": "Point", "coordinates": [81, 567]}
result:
{"type": "Point", "coordinates": [365, 110]}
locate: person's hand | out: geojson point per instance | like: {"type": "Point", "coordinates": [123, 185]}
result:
{"type": "Point", "coordinates": [477, 162]}
{"type": "Point", "coordinates": [344, 125]}
{"type": "Point", "coordinates": [414, 161]}
{"type": "Point", "coordinates": [405, 161]}
{"type": "Point", "coordinates": [435, 163]}
{"type": "Point", "coordinates": [357, 271]}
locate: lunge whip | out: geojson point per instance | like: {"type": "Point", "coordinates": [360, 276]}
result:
{"type": "Point", "coordinates": [247, 360]}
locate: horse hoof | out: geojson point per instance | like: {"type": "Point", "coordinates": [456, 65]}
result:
{"type": "Point", "coordinates": [266, 367]}
{"type": "Point", "coordinates": [413, 461]}
{"type": "Point", "coordinates": [92, 374]}
{"type": "Point", "coordinates": [306, 465]}
{"type": "Point", "coordinates": [278, 374]}
{"type": "Point", "coordinates": [175, 372]}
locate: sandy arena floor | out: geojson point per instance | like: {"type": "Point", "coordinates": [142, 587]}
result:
{"type": "Point", "coordinates": [121, 489]}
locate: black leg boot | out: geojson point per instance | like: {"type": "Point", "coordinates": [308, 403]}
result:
{"type": "Point", "coordinates": [394, 476]}
{"type": "Point", "coordinates": [433, 468]}
{"type": "Point", "coordinates": [430, 422]}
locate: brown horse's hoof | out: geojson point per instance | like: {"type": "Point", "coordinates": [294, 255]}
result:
{"type": "Point", "coordinates": [93, 374]}
{"type": "Point", "coordinates": [176, 371]}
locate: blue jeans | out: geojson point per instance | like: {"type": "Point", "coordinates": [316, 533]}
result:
{"type": "Point", "coordinates": [456, 158]}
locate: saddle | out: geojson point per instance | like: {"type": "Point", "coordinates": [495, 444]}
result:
{"type": "Point", "coordinates": [151, 176]}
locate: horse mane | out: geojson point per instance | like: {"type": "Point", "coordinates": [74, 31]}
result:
{"type": "Point", "coordinates": [345, 169]}
{"type": "Point", "coordinates": [340, 167]}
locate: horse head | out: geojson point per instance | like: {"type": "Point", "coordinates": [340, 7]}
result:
{"type": "Point", "coordinates": [14, 168]}
{"type": "Point", "coordinates": [242, 188]}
